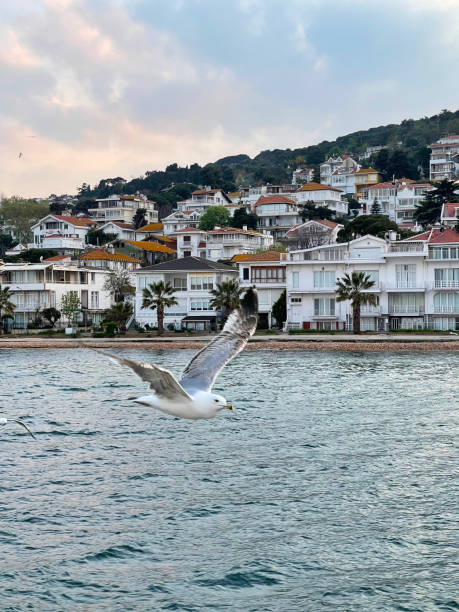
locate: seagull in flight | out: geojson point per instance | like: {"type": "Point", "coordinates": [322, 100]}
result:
{"type": "Point", "coordinates": [4, 421]}
{"type": "Point", "coordinates": [191, 397]}
{"type": "Point", "coordinates": [20, 155]}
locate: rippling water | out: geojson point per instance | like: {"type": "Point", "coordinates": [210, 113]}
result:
{"type": "Point", "coordinates": [331, 487]}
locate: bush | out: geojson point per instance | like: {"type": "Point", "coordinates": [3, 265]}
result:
{"type": "Point", "coordinates": [110, 328]}
{"type": "Point", "coordinates": [170, 327]}
{"type": "Point", "coordinates": [31, 325]}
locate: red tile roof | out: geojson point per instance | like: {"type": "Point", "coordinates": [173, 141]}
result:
{"type": "Point", "coordinates": [449, 209]}
{"type": "Point", "coordinates": [274, 199]}
{"type": "Point", "coordinates": [266, 256]}
{"type": "Point", "coordinates": [204, 191]}
{"type": "Point", "coordinates": [189, 229]}
{"type": "Point", "coordinates": [437, 236]}
{"type": "Point", "coordinates": [121, 224]}
{"type": "Point", "coordinates": [77, 221]}
{"type": "Point", "coordinates": [234, 230]}
{"type": "Point", "coordinates": [57, 258]}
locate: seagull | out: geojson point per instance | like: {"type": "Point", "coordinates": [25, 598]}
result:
{"type": "Point", "coordinates": [4, 421]}
{"type": "Point", "coordinates": [191, 397]}
{"type": "Point", "coordinates": [20, 155]}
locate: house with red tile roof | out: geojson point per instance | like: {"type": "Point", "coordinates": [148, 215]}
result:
{"type": "Point", "coordinates": [323, 195]}
{"type": "Point", "coordinates": [109, 259]}
{"type": "Point", "coordinates": [66, 233]}
{"type": "Point", "coordinates": [201, 199]}
{"type": "Point", "coordinates": [277, 214]}
{"type": "Point", "coordinates": [450, 214]}
{"type": "Point", "coordinates": [312, 233]}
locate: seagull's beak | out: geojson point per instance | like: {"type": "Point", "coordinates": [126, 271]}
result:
{"type": "Point", "coordinates": [228, 407]}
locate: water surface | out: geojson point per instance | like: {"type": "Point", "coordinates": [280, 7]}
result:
{"type": "Point", "coordinates": [331, 486]}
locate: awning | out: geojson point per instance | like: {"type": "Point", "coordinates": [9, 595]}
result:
{"type": "Point", "coordinates": [199, 318]}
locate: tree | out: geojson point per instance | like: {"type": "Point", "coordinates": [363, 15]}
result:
{"type": "Point", "coordinates": [279, 309]}
{"type": "Point", "coordinates": [376, 225]}
{"type": "Point", "coordinates": [140, 219]}
{"type": "Point", "coordinates": [241, 217]}
{"type": "Point", "coordinates": [120, 313]}
{"type": "Point", "coordinates": [429, 211]}
{"type": "Point", "coordinates": [353, 288]}
{"type": "Point", "coordinates": [70, 306]}
{"type": "Point", "coordinates": [226, 296]}
{"type": "Point", "coordinates": [6, 242]}
{"type": "Point", "coordinates": [119, 284]}
{"type": "Point", "coordinates": [158, 296]}
{"type": "Point", "coordinates": [307, 237]}
{"type": "Point", "coordinates": [376, 208]}
{"type": "Point", "coordinates": [310, 211]}
{"type": "Point", "coordinates": [214, 216]}
{"type": "Point", "coordinates": [6, 305]}
{"type": "Point", "coordinates": [52, 315]}
{"type": "Point", "coordinates": [18, 215]}
{"type": "Point", "coordinates": [97, 237]}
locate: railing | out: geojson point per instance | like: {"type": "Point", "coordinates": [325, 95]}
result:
{"type": "Point", "coordinates": [446, 309]}
{"type": "Point", "coordinates": [444, 284]}
{"type": "Point", "coordinates": [415, 247]}
{"type": "Point", "coordinates": [412, 310]}
{"type": "Point", "coordinates": [404, 285]}
{"type": "Point", "coordinates": [262, 281]}
{"type": "Point", "coordinates": [370, 310]}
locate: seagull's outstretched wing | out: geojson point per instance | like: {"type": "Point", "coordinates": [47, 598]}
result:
{"type": "Point", "coordinates": [4, 421]}
{"type": "Point", "coordinates": [163, 383]}
{"type": "Point", "coordinates": [203, 369]}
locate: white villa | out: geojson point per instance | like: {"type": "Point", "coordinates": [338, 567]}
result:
{"type": "Point", "coordinates": [277, 214]}
{"type": "Point", "coordinates": [201, 199]}
{"type": "Point", "coordinates": [339, 172]}
{"type": "Point", "coordinates": [314, 232]}
{"type": "Point", "coordinates": [65, 233]}
{"type": "Point", "coordinates": [323, 195]}
{"type": "Point", "coordinates": [109, 259]}
{"type": "Point", "coordinates": [444, 159]}
{"type": "Point", "coordinates": [192, 279]}
{"type": "Point", "coordinates": [123, 208]}
{"type": "Point", "coordinates": [450, 214]}
{"type": "Point", "coordinates": [124, 231]}
{"type": "Point", "coordinates": [38, 286]}
{"type": "Point", "coordinates": [302, 175]}
{"type": "Point", "coordinates": [265, 272]}
{"type": "Point", "coordinates": [416, 282]}
{"type": "Point", "coordinates": [180, 219]}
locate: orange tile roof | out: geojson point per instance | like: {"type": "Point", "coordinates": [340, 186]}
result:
{"type": "Point", "coordinates": [234, 230]}
{"type": "Point", "coordinates": [366, 171]}
{"type": "Point", "coordinates": [78, 221]}
{"type": "Point", "coordinates": [274, 199]}
{"type": "Point", "coordinates": [57, 258]}
{"type": "Point", "coordinates": [102, 254]}
{"type": "Point", "coordinates": [317, 187]}
{"type": "Point", "coordinates": [151, 246]}
{"type": "Point", "coordinates": [266, 256]}
{"type": "Point", "coordinates": [204, 191]}
{"type": "Point", "coordinates": [151, 227]}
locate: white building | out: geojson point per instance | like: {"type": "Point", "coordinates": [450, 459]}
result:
{"type": "Point", "coordinates": [123, 208]}
{"type": "Point", "coordinates": [180, 219]}
{"type": "Point", "coordinates": [444, 159]}
{"type": "Point", "coordinates": [312, 233]}
{"type": "Point", "coordinates": [416, 283]}
{"type": "Point", "coordinates": [63, 232]}
{"type": "Point", "coordinates": [323, 195]}
{"type": "Point", "coordinates": [450, 214]}
{"type": "Point", "coordinates": [277, 214]}
{"type": "Point", "coordinates": [192, 279]}
{"type": "Point", "coordinates": [302, 175]}
{"type": "Point", "coordinates": [191, 242]}
{"type": "Point", "coordinates": [125, 231]}
{"type": "Point", "coordinates": [342, 164]}
{"type": "Point", "coordinates": [266, 272]}
{"type": "Point", "coordinates": [201, 199]}
{"type": "Point", "coordinates": [38, 286]}
{"type": "Point", "coordinates": [398, 200]}
{"type": "Point", "coordinates": [251, 195]}
{"type": "Point", "coordinates": [109, 259]}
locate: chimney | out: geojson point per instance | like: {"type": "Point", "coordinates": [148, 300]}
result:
{"type": "Point", "coordinates": [244, 227]}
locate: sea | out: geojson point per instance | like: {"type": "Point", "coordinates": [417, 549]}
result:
{"type": "Point", "coordinates": [333, 485]}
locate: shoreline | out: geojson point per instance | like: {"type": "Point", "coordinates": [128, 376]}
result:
{"type": "Point", "coordinates": [289, 343]}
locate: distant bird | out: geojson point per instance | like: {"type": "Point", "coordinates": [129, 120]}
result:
{"type": "Point", "coordinates": [20, 155]}
{"type": "Point", "coordinates": [190, 398]}
{"type": "Point", "coordinates": [4, 421]}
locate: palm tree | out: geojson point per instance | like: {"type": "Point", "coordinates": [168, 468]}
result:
{"type": "Point", "coordinates": [159, 296]}
{"type": "Point", "coordinates": [226, 296]}
{"type": "Point", "coordinates": [6, 305]}
{"type": "Point", "coordinates": [120, 313]}
{"type": "Point", "coordinates": [353, 288]}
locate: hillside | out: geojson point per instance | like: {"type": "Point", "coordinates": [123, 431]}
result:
{"type": "Point", "coordinates": [408, 156]}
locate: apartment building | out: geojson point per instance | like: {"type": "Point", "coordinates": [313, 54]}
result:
{"type": "Point", "coordinates": [192, 279]}
{"type": "Point", "coordinates": [323, 195]}
{"type": "Point", "coordinates": [123, 208]}
{"type": "Point", "coordinates": [201, 199]}
{"type": "Point", "coordinates": [38, 286]}
{"type": "Point", "coordinates": [416, 283]}
{"type": "Point", "coordinates": [277, 214]}
{"type": "Point", "coordinates": [444, 158]}
{"type": "Point", "coordinates": [397, 199]}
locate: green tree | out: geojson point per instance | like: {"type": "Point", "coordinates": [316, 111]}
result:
{"type": "Point", "coordinates": [376, 225]}
{"type": "Point", "coordinates": [241, 217]}
{"type": "Point", "coordinates": [97, 237]}
{"type": "Point", "coordinates": [214, 216]}
{"type": "Point", "coordinates": [52, 315]}
{"type": "Point", "coordinates": [226, 296]}
{"type": "Point", "coordinates": [310, 211]}
{"type": "Point", "coordinates": [18, 215]}
{"type": "Point", "coordinates": [6, 242]}
{"type": "Point", "coordinates": [119, 284]}
{"type": "Point", "coordinates": [140, 219]}
{"type": "Point", "coordinates": [158, 296]}
{"type": "Point", "coordinates": [70, 306]}
{"type": "Point", "coordinates": [120, 313]}
{"type": "Point", "coordinates": [376, 208]}
{"type": "Point", "coordinates": [279, 309]}
{"type": "Point", "coordinates": [6, 305]}
{"type": "Point", "coordinates": [429, 211]}
{"type": "Point", "coordinates": [354, 288]}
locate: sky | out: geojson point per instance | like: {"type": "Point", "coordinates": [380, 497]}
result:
{"type": "Point", "coordinates": [93, 89]}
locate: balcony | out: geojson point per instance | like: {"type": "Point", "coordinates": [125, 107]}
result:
{"type": "Point", "coordinates": [413, 248]}
{"type": "Point", "coordinates": [369, 311]}
{"type": "Point", "coordinates": [406, 310]}
{"type": "Point", "coordinates": [446, 309]}
{"type": "Point", "coordinates": [444, 284]}
{"type": "Point", "coordinates": [405, 286]}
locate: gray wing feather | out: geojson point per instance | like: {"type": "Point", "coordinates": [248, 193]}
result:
{"type": "Point", "coordinates": [163, 382]}
{"type": "Point", "coordinates": [203, 369]}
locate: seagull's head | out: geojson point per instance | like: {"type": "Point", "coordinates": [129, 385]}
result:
{"type": "Point", "coordinates": [215, 402]}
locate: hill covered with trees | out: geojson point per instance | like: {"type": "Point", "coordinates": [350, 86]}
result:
{"type": "Point", "coordinates": [407, 155]}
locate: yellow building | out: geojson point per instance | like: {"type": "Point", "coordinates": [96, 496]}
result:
{"type": "Point", "coordinates": [364, 178]}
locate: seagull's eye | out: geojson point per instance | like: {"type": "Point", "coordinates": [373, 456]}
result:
{"type": "Point", "coordinates": [215, 400]}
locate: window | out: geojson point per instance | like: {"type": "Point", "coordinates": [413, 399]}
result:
{"type": "Point", "coordinates": [201, 283]}
{"type": "Point", "coordinates": [186, 238]}
{"type": "Point", "coordinates": [268, 275]}
{"type": "Point", "coordinates": [406, 276]}
{"type": "Point", "coordinates": [295, 300]}
{"type": "Point", "coordinates": [179, 284]}
{"type": "Point", "coordinates": [328, 325]}
{"type": "Point", "coordinates": [186, 253]}
{"type": "Point", "coordinates": [324, 307]}
{"type": "Point", "coordinates": [199, 305]}
{"type": "Point", "coordinates": [445, 253]}
{"type": "Point", "coordinates": [295, 280]}
{"type": "Point", "coordinates": [245, 273]}
{"type": "Point", "coordinates": [446, 302]}
{"type": "Point", "coordinates": [447, 278]}
{"type": "Point", "coordinates": [324, 279]}
{"type": "Point", "coordinates": [373, 274]}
